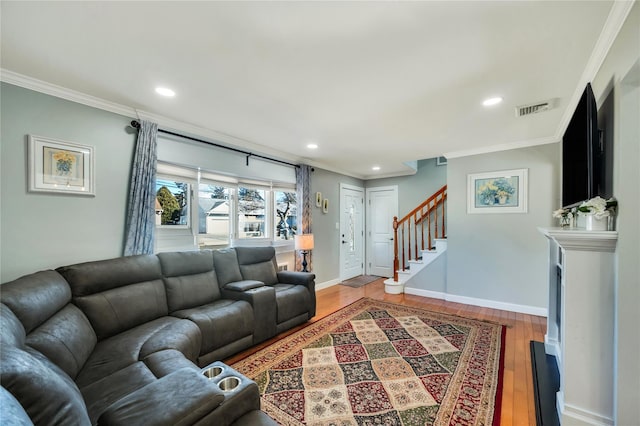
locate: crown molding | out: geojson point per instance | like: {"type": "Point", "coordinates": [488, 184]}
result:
{"type": "Point", "coordinates": [615, 20]}
{"type": "Point", "coordinates": [501, 147]}
{"type": "Point", "coordinates": [64, 93]}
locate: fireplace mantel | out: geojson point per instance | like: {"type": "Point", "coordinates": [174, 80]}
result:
{"type": "Point", "coordinates": [580, 239]}
{"type": "Point", "coordinates": [580, 322]}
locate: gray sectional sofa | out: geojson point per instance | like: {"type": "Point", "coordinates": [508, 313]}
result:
{"type": "Point", "coordinates": [126, 341]}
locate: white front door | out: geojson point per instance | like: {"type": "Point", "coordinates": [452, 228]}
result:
{"type": "Point", "coordinates": [382, 206]}
{"type": "Point", "coordinates": [351, 231]}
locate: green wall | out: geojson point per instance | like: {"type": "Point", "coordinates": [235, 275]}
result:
{"type": "Point", "coordinates": [39, 230]}
{"type": "Point", "coordinates": [326, 254]}
{"type": "Point", "coordinates": [502, 257]}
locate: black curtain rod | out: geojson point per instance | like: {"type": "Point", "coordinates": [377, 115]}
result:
{"type": "Point", "coordinates": [135, 124]}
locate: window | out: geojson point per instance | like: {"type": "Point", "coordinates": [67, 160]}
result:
{"type": "Point", "coordinates": [172, 202]}
{"type": "Point", "coordinates": [286, 206]}
{"type": "Point", "coordinates": [214, 214]}
{"type": "Point", "coordinates": [225, 209]}
{"type": "Point", "coordinates": [252, 210]}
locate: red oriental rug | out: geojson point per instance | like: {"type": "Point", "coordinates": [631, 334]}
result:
{"type": "Point", "coordinates": [374, 362]}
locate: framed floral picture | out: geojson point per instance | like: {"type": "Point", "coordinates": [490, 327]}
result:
{"type": "Point", "coordinates": [60, 167]}
{"type": "Point", "coordinates": [497, 192]}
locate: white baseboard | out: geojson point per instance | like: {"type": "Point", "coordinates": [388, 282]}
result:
{"type": "Point", "coordinates": [493, 304]}
{"type": "Point", "coordinates": [327, 284]}
{"type": "Point", "coordinates": [425, 293]}
{"type": "Point", "coordinates": [570, 414]}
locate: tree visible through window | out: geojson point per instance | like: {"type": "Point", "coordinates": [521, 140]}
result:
{"type": "Point", "coordinates": [173, 201]}
{"type": "Point", "coordinates": [251, 213]}
{"type": "Point", "coordinates": [286, 225]}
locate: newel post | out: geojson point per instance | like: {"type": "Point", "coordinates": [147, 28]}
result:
{"type": "Point", "coordinates": [396, 263]}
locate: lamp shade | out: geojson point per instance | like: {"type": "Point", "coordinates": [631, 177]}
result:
{"type": "Point", "coordinates": [303, 242]}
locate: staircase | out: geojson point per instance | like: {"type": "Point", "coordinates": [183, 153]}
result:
{"type": "Point", "coordinates": [419, 240]}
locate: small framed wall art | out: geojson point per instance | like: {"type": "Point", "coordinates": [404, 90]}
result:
{"type": "Point", "coordinates": [318, 199]}
{"type": "Point", "coordinates": [60, 167]}
{"type": "Point", "coordinates": [497, 192]}
{"type": "Point", "coordinates": [325, 206]}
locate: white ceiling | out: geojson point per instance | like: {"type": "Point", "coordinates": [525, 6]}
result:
{"type": "Point", "coordinates": [372, 83]}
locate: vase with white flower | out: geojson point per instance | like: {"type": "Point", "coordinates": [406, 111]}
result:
{"type": "Point", "coordinates": [566, 217]}
{"type": "Point", "coordinates": [598, 213]}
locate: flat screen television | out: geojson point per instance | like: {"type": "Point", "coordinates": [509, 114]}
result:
{"type": "Point", "coordinates": [582, 153]}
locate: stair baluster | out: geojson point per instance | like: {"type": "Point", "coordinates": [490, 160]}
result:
{"type": "Point", "coordinates": [425, 212]}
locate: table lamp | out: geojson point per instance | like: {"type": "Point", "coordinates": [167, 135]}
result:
{"type": "Point", "coordinates": [304, 243]}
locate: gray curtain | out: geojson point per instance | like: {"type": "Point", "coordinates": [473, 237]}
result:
{"type": "Point", "coordinates": [303, 190]}
{"type": "Point", "coordinates": [141, 222]}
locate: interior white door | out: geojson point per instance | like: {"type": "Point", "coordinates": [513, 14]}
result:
{"type": "Point", "coordinates": [382, 206]}
{"type": "Point", "coordinates": [351, 231]}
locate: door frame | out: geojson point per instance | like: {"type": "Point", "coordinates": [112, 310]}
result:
{"type": "Point", "coordinates": [344, 186]}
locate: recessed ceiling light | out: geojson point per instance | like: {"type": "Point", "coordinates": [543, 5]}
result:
{"type": "Point", "coordinates": [163, 91]}
{"type": "Point", "coordinates": [312, 146]}
{"type": "Point", "coordinates": [375, 168]}
{"type": "Point", "coordinates": [492, 101]}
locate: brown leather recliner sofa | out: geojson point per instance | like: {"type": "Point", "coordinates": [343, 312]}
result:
{"type": "Point", "coordinates": [126, 340]}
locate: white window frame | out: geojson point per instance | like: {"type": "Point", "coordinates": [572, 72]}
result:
{"type": "Point", "coordinates": [268, 232]}
{"type": "Point", "coordinates": [166, 235]}
{"type": "Point", "coordinates": [232, 207]}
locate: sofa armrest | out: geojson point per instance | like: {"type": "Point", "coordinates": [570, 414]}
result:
{"type": "Point", "coordinates": [263, 302]}
{"type": "Point", "coordinates": [243, 285]}
{"type": "Point", "coordinates": [180, 398]}
{"type": "Point", "coordinates": [306, 279]}
{"type": "Point", "coordinates": [239, 401]}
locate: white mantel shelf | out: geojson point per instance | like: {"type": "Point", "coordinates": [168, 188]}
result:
{"type": "Point", "coordinates": [581, 239]}
{"type": "Point", "coordinates": [580, 324]}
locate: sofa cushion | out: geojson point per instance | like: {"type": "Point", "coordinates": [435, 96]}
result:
{"type": "Point", "coordinates": [100, 394]}
{"type": "Point", "coordinates": [120, 351]}
{"type": "Point", "coordinates": [189, 279]}
{"type": "Point", "coordinates": [12, 330]}
{"type": "Point", "coordinates": [182, 398]}
{"type": "Point", "coordinates": [258, 263]}
{"type": "Point", "coordinates": [45, 392]}
{"type": "Point", "coordinates": [167, 361]}
{"type": "Point", "coordinates": [263, 271]}
{"type": "Point", "coordinates": [221, 322]}
{"type": "Point", "coordinates": [291, 301]}
{"type": "Point", "coordinates": [36, 297]}
{"type": "Point", "coordinates": [11, 412]}
{"type": "Point", "coordinates": [118, 294]}
{"type": "Point", "coordinates": [226, 265]}
{"type": "Point", "coordinates": [54, 327]}
{"type": "Point", "coordinates": [66, 338]}
{"type": "Point", "coordinates": [94, 277]}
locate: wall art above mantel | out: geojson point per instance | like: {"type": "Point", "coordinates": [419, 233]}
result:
{"type": "Point", "coordinates": [497, 192]}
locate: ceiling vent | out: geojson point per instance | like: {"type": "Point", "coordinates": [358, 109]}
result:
{"type": "Point", "coordinates": [534, 108]}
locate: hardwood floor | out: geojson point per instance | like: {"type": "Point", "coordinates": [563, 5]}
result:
{"type": "Point", "coordinates": [517, 394]}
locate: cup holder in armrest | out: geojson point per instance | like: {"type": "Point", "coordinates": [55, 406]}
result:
{"type": "Point", "coordinates": [228, 384]}
{"type": "Point", "coordinates": [212, 372]}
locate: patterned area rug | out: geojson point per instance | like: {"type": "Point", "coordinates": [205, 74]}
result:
{"type": "Point", "coordinates": [374, 362]}
{"type": "Point", "coordinates": [359, 281]}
